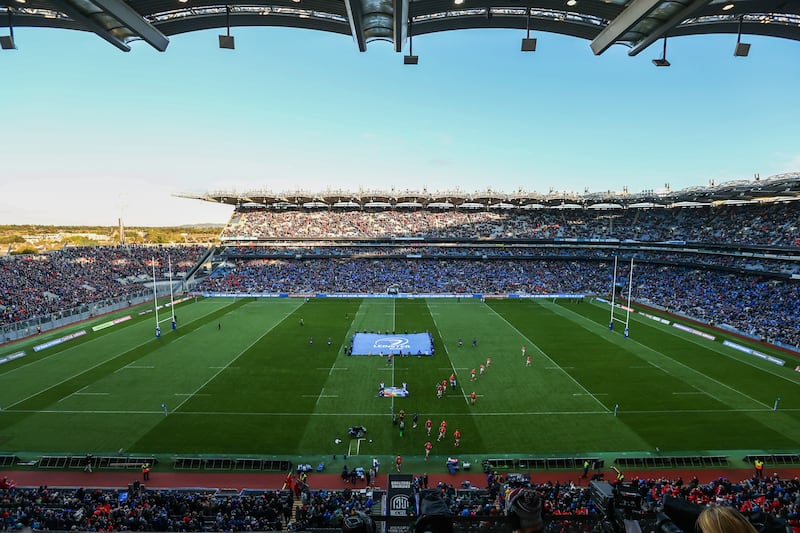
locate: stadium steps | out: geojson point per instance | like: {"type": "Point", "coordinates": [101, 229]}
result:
{"type": "Point", "coordinates": [200, 262]}
{"type": "Point", "coordinates": [673, 462]}
{"type": "Point", "coordinates": [7, 460]}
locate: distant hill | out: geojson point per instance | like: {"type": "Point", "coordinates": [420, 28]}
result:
{"type": "Point", "coordinates": [36, 239]}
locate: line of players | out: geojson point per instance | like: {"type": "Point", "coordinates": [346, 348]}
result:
{"type": "Point", "coordinates": [442, 435]}
{"type": "Point", "coordinates": [441, 388]}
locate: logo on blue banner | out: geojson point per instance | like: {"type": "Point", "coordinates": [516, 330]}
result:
{"type": "Point", "coordinates": [391, 343]}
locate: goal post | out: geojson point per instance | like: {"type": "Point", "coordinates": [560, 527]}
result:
{"type": "Point", "coordinates": [614, 318]}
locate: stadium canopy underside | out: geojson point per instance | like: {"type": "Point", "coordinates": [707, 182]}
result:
{"type": "Point", "coordinates": [783, 187]}
{"type": "Point", "coordinates": [632, 23]}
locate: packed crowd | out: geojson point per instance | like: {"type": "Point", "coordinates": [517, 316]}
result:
{"type": "Point", "coordinates": [170, 510]}
{"type": "Point", "coordinates": [728, 259]}
{"type": "Point", "coordinates": [768, 309]}
{"type": "Point", "coordinates": [32, 286]}
{"type": "Point", "coordinates": [143, 510]}
{"type": "Point", "coordinates": [764, 224]}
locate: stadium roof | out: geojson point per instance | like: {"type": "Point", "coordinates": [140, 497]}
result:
{"type": "Point", "coordinates": [783, 187]}
{"type": "Point", "coordinates": [633, 23]}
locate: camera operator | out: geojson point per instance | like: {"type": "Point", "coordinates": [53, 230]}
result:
{"type": "Point", "coordinates": [359, 522]}
{"type": "Point", "coordinates": [525, 510]}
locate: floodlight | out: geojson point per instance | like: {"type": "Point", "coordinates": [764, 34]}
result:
{"type": "Point", "coordinates": [742, 49]}
{"type": "Point", "coordinates": [410, 59]}
{"type": "Point", "coordinates": [226, 41]}
{"type": "Point", "coordinates": [662, 61]}
{"type": "Point", "coordinates": [528, 43]}
{"type": "Point", "coordinates": [7, 41]}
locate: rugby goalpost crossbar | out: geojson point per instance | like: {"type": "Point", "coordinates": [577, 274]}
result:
{"type": "Point", "coordinates": [627, 319]}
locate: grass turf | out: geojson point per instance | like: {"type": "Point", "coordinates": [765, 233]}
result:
{"type": "Point", "coordinates": [240, 377]}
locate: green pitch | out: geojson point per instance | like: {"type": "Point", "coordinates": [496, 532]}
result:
{"type": "Point", "coordinates": [240, 377]}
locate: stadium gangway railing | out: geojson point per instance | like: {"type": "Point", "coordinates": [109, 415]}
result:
{"type": "Point", "coordinates": [774, 459]}
{"type": "Point", "coordinates": [673, 461]}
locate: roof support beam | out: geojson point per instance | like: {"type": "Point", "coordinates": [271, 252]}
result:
{"type": "Point", "coordinates": [670, 23]}
{"type": "Point", "coordinates": [630, 16]}
{"type": "Point", "coordinates": [355, 15]}
{"type": "Point", "coordinates": [135, 22]}
{"type": "Point", "coordinates": [401, 16]}
{"type": "Point", "coordinates": [90, 24]}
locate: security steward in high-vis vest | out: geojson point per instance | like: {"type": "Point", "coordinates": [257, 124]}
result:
{"type": "Point", "coordinates": [146, 471]}
{"type": "Point", "coordinates": [759, 464]}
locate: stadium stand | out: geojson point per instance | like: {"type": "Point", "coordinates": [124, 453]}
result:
{"type": "Point", "coordinates": [567, 507]}
{"type": "Point", "coordinates": [37, 286]}
{"type": "Point", "coordinates": [735, 266]}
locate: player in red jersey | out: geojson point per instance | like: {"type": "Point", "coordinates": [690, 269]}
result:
{"type": "Point", "coordinates": [472, 398]}
{"type": "Point", "coordinates": [398, 461]}
{"type": "Point", "coordinates": [428, 447]}
{"type": "Point", "coordinates": [472, 374]}
{"type": "Point", "coordinates": [457, 437]}
{"type": "Point", "coordinates": [428, 426]}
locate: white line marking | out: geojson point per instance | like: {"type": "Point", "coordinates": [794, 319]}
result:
{"type": "Point", "coordinates": [590, 394]}
{"type": "Point", "coordinates": [458, 378]}
{"type": "Point", "coordinates": [648, 348]}
{"type": "Point", "coordinates": [190, 394]}
{"type": "Point", "coordinates": [711, 345]}
{"type": "Point", "coordinates": [320, 395]}
{"type": "Point", "coordinates": [91, 393]}
{"type": "Point", "coordinates": [383, 415]}
{"type": "Point", "coordinates": [689, 392]}
{"type": "Point", "coordinates": [529, 341]}
{"type": "Point", "coordinates": [93, 340]}
{"type": "Point", "coordinates": [212, 378]}
{"type": "Point", "coordinates": [78, 374]}
{"type": "Point", "coordinates": [224, 367]}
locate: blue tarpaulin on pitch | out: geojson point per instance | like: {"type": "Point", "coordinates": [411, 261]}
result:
{"type": "Point", "coordinates": [396, 344]}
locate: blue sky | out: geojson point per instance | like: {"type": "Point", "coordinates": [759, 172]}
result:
{"type": "Point", "coordinates": [91, 133]}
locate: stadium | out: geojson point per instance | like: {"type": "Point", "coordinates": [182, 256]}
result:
{"type": "Point", "coordinates": [572, 340]}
